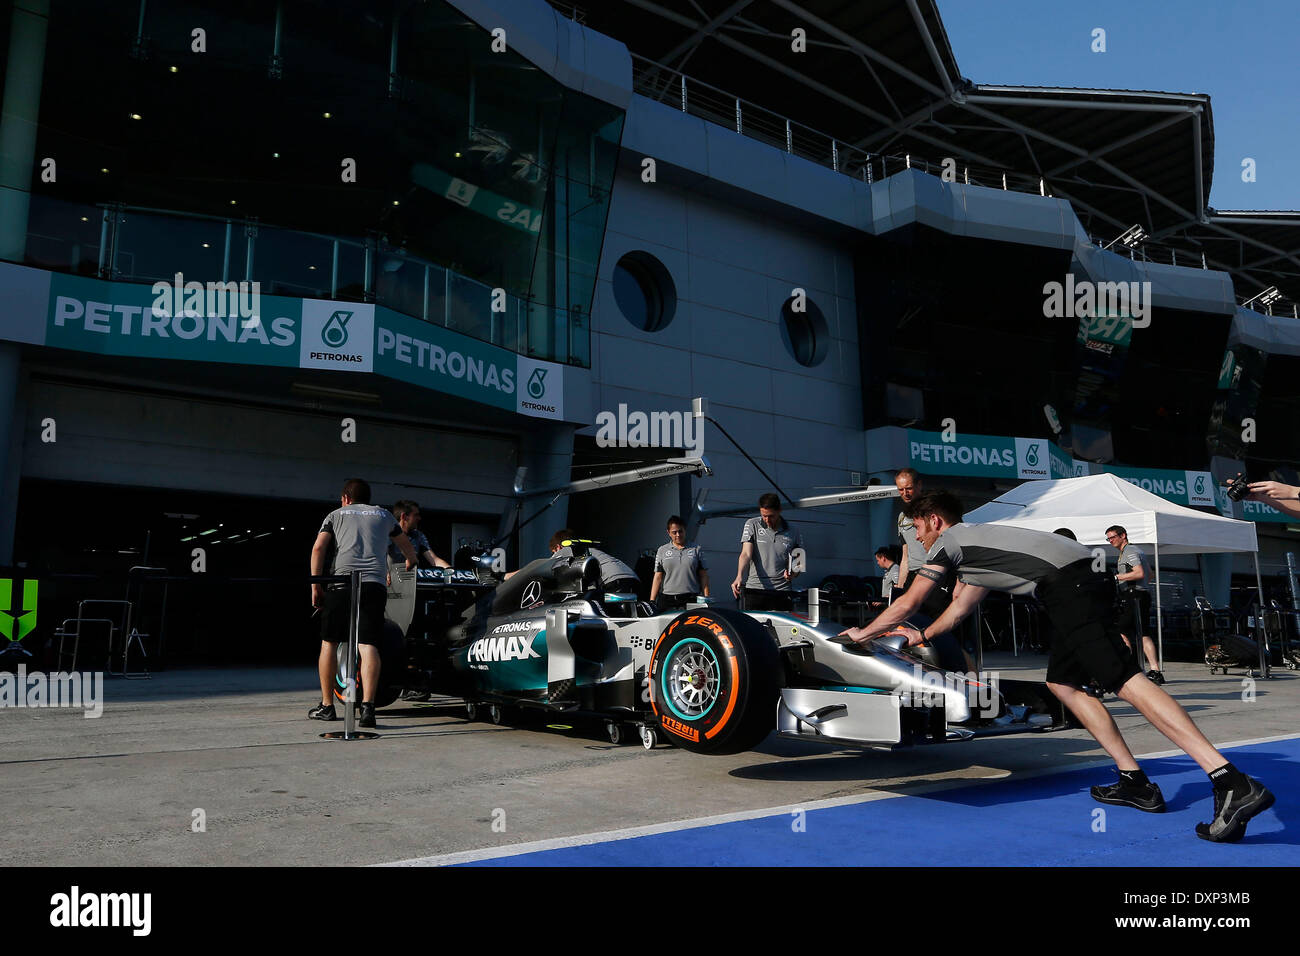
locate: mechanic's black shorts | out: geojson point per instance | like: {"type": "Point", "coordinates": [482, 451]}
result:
{"type": "Point", "coordinates": [675, 601]}
{"type": "Point", "coordinates": [338, 602]}
{"type": "Point", "coordinates": [1134, 610]}
{"type": "Point", "coordinates": [761, 599]}
{"type": "Point", "coordinates": [1086, 648]}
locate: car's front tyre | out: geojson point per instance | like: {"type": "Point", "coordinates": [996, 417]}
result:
{"type": "Point", "coordinates": [715, 677]}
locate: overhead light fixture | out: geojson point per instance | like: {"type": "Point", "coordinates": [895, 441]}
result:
{"type": "Point", "coordinates": [207, 246]}
{"type": "Point", "coordinates": [346, 394]}
{"type": "Point", "coordinates": [173, 69]}
{"type": "Point", "coordinates": [190, 538]}
{"type": "Point", "coordinates": [458, 154]}
{"type": "Point", "coordinates": [85, 219]}
{"type": "Point", "coordinates": [396, 203]}
{"type": "Point", "coordinates": [234, 202]}
{"type": "Point", "coordinates": [326, 115]}
{"type": "Point", "coordinates": [136, 116]}
{"type": "Point", "coordinates": [103, 169]}
{"type": "Point", "coordinates": [1266, 298]}
{"type": "Point", "coordinates": [209, 531]}
{"type": "Point", "coordinates": [1131, 237]}
{"type": "Point", "coordinates": [275, 155]}
{"type": "Point", "coordinates": [311, 268]}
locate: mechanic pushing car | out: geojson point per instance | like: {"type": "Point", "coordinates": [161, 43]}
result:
{"type": "Point", "coordinates": [359, 533]}
{"type": "Point", "coordinates": [1087, 652]}
{"type": "Point", "coordinates": [681, 573]}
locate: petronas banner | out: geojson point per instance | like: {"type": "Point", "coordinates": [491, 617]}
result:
{"type": "Point", "coordinates": [992, 456]}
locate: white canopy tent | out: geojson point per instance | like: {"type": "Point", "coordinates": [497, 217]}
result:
{"type": "Point", "coordinates": [1090, 505]}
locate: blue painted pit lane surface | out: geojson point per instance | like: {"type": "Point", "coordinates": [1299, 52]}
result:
{"type": "Point", "coordinates": [1047, 820]}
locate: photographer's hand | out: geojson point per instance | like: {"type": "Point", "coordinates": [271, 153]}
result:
{"type": "Point", "coordinates": [1275, 494]}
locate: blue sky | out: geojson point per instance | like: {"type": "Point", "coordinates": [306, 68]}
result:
{"type": "Point", "coordinates": [1243, 54]}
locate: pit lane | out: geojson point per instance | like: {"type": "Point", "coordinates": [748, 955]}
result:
{"type": "Point", "coordinates": [235, 744]}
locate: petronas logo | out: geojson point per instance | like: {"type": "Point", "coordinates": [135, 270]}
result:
{"type": "Point", "coordinates": [537, 383]}
{"type": "Point", "coordinates": [1031, 455]}
{"type": "Point", "coordinates": [1200, 484]}
{"type": "Point", "coordinates": [335, 333]}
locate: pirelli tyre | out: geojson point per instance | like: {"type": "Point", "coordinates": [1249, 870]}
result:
{"type": "Point", "coordinates": [392, 661]}
{"type": "Point", "coordinates": [715, 677]}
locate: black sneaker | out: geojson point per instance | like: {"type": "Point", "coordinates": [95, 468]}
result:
{"type": "Point", "coordinates": [1155, 677]}
{"type": "Point", "coordinates": [1145, 797]}
{"type": "Point", "coordinates": [322, 712]}
{"type": "Point", "coordinates": [415, 695]}
{"type": "Point", "coordinates": [367, 715]}
{"type": "Point", "coordinates": [1231, 813]}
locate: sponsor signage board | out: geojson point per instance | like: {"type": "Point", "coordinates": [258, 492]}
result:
{"type": "Point", "coordinates": [129, 319]}
{"type": "Point", "coordinates": [991, 456]}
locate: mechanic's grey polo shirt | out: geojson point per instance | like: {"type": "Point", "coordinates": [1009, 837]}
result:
{"type": "Point", "coordinates": [1002, 558]}
{"type": "Point", "coordinates": [611, 568]}
{"type": "Point", "coordinates": [680, 567]}
{"type": "Point", "coordinates": [889, 580]}
{"type": "Point", "coordinates": [361, 534]}
{"type": "Point", "coordinates": [771, 554]}
{"type": "Point", "coordinates": [915, 550]}
{"type": "Point", "coordinates": [1130, 559]}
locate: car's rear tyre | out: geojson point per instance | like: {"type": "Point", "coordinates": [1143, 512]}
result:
{"type": "Point", "coordinates": [392, 665]}
{"type": "Point", "coordinates": [714, 681]}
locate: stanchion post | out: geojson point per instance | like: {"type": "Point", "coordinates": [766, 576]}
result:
{"type": "Point", "coordinates": [350, 658]}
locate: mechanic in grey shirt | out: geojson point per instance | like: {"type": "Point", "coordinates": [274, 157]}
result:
{"type": "Point", "coordinates": [908, 483]}
{"type": "Point", "coordinates": [359, 534]}
{"type": "Point", "coordinates": [768, 548]}
{"type": "Point", "coordinates": [1132, 573]}
{"type": "Point", "coordinates": [889, 580]}
{"type": "Point", "coordinates": [681, 572]}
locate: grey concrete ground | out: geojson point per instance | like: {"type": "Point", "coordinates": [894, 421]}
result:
{"type": "Point", "coordinates": [236, 744]}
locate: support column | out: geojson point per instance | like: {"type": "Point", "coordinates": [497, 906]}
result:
{"type": "Point", "coordinates": [18, 119]}
{"type": "Point", "coordinates": [19, 115]}
{"type": "Point", "coordinates": [11, 446]}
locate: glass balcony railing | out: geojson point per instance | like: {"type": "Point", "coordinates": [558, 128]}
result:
{"type": "Point", "coordinates": [130, 244]}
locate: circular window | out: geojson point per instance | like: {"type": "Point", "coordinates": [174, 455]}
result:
{"type": "Point", "coordinates": [804, 331]}
{"type": "Point", "coordinates": [644, 291]}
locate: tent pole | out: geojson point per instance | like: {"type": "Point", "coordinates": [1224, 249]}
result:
{"type": "Point", "coordinates": [1160, 620]}
{"type": "Point", "coordinates": [1260, 634]}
